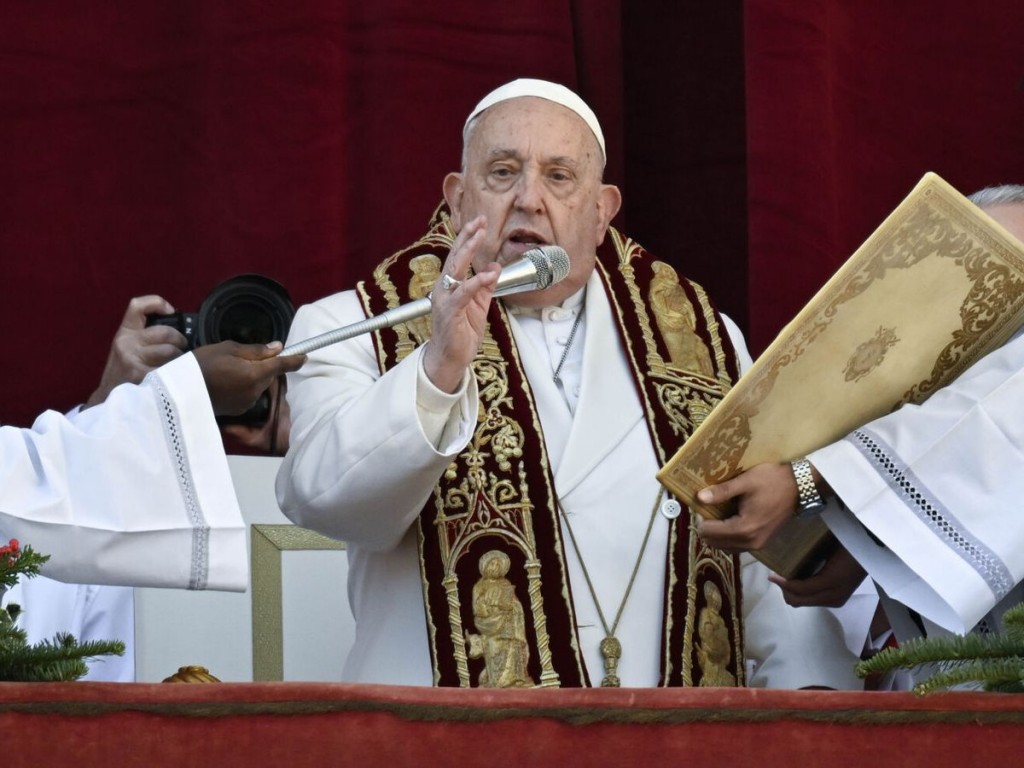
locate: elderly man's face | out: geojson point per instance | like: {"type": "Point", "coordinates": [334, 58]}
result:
{"type": "Point", "coordinates": [533, 168]}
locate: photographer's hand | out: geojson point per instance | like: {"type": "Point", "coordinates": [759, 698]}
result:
{"type": "Point", "coordinates": [136, 350]}
{"type": "Point", "coordinates": [237, 374]}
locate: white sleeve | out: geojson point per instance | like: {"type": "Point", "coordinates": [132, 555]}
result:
{"type": "Point", "coordinates": [133, 491]}
{"type": "Point", "coordinates": [787, 647]}
{"type": "Point", "coordinates": [939, 487]}
{"type": "Point", "coordinates": [361, 465]}
{"type": "Point", "coordinates": [739, 342]}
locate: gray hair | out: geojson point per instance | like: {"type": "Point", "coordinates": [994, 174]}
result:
{"type": "Point", "coordinates": [1000, 194]}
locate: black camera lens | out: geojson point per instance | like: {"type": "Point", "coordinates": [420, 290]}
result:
{"type": "Point", "coordinates": [249, 309]}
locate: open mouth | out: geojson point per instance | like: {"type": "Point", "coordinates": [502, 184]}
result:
{"type": "Point", "coordinates": [526, 240]}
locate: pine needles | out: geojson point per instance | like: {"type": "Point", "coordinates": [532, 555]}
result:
{"type": "Point", "coordinates": [994, 662]}
{"type": "Point", "coordinates": [62, 658]}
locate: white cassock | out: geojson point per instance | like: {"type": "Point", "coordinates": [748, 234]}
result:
{"type": "Point", "coordinates": [367, 450]}
{"type": "Point", "coordinates": [941, 486]}
{"type": "Point", "coordinates": [134, 491]}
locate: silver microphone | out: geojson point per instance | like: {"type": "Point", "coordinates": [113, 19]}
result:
{"type": "Point", "coordinates": [539, 268]}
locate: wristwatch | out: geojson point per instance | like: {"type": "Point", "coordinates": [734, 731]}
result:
{"type": "Point", "coordinates": [809, 502]}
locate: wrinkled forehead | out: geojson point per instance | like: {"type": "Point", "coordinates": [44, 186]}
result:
{"type": "Point", "coordinates": [530, 124]}
{"type": "Point", "coordinates": [526, 88]}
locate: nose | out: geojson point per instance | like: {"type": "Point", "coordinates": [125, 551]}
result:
{"type": "Point", "coordinates": [529, 193]}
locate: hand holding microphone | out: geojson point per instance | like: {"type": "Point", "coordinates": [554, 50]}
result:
{"type": "Point", "coordinates": [538, 269]}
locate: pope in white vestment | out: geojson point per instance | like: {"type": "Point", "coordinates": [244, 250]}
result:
{"type": "Point", "coordinates": [368, 449]}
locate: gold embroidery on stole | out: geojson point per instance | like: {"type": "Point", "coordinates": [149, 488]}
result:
{"type": "Point", "coordinates": [484, 504]}
{"type": "Point", "coordinates": [501, 624]}
{"type": "Point", "coordinates": [495, 504]}
{"type": "Point", "coordinates": [685, 397]}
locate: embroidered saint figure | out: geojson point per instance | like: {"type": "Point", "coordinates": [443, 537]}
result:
{"type": "Point", "coordinates": [426, 269]}
{"type": "Point", "coordinates": [501, 624]}
{"type": "Point", "coordinates": [713, 649]}
{"type": "Point", "coordinates": [676, 321]}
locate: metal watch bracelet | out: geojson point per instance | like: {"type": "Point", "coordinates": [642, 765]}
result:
{"type": "Point", "coordinates": [809, 501]}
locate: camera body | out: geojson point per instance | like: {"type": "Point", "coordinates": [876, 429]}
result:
{"type": "Point", "coordinates": [249, 309]}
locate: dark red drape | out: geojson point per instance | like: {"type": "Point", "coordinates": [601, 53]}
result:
{"type": "Point", "coordinates": [165, 146]}
{"type": "Point", "coordinates": [848, 105]}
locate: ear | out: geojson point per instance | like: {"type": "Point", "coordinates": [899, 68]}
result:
{"type": "Point", "coordinates": [609, 200]}
{"type": "Point", "coordinates": [453, 190]}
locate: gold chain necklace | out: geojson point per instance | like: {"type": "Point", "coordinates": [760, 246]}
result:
{"type": "Point", "coordinates": [611, 648]}
{"type": "Point", "coordinates": [568, 344]}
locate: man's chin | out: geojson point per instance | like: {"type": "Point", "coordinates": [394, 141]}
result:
{"type": "Point", "coordinates": [539, 299]}
{"type": "Point", "coordinates": [512, 252]}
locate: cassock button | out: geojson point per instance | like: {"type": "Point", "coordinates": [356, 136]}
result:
{"type": "Point", "coordinates": [671, 508]}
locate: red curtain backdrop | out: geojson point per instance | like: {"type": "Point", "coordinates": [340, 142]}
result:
{"type": "Point", "coordinates": [848, 105]}
{"type": "Point", "coordinates": [162, 147]}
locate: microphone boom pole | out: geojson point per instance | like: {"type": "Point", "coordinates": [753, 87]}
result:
{"type": "Point", "coordinates": [538, 269]}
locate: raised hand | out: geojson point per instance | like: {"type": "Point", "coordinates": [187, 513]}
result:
{"type": "Point", "coordinates": [136, 350]}
{"type": "Point", "coordinates": [459, 310]}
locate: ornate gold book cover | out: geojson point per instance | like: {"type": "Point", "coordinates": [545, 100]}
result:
{"type": "Point", "coordinates": [937, 286]}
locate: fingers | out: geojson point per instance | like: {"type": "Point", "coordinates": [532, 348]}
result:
{"type": "Point", "coordinates": [798, 592]}
{"type": "Point", "coordinates": [162, 334]}
{"type": "Point", "coordinates": [723, 534]}
{"type": "Point", "coordinates": [830, 587]}
{"type": "Point", "coordinates": [153, 356]}
{"type": "Point", "coordinates": [464, 248]}
{"type": "Point", "coordinates": [287, 363]}
{"type": "Point", "coordinates": [141, 306]}
{"type": "Point", "coordinates": [723, 492]}
{"type": "Point", "coordinates": [454, 287]}
{"type": "Point", "coordinates": [135, 352]}
{"type": "Point", "coordinates": [459, 312]}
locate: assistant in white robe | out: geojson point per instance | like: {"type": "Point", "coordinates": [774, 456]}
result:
{"type": "Point", "coordinates": [134, 491]}
{"type": "Point", "coordinates": [364, 457]}
{"type": "Point", "coordinates": [941, 487]}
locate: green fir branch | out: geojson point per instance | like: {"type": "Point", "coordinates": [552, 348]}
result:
{"type": "Point", "coordinates": [1013, 622]}
{"type": "Point", "coordinates": [930, 650]}
{"type": "Point", "coordinates": [991, 674]}
{"type": "Point", "coordinates": [994, 662]}
{"type": "Point", "coordinates": [63, 658]}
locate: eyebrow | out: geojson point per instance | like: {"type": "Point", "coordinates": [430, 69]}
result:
{"type": "Point", "coordinates": [505, 154]}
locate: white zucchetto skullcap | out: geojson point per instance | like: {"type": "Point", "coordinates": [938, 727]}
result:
{"type": "Point", "coordinates": [542, 89]}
